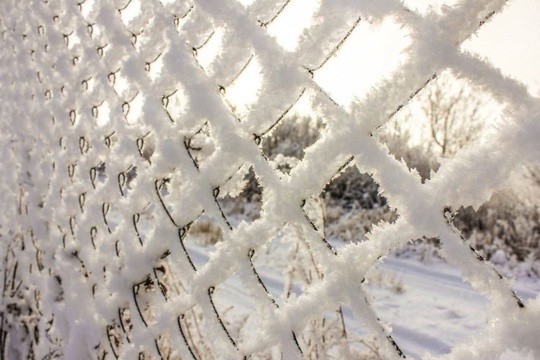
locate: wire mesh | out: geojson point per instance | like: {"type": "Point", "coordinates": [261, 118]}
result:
{"type": "Point", "coordinates": [118, 140]}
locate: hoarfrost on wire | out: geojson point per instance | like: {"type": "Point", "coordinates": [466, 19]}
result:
{"type": "Point", "coordinates": [116, 139]}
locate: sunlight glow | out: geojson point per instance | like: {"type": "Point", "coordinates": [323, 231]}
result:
{"type": "Point", "coordinates": [208, 53]}
{"type": "Point", "coordinates": [289, 25]}
{"type": "Point", "coordinates": [104, 113]}
{"type": "Point", "coordinates": [370, 54]}
{"type": "Point", "coordinates": [135, 112]}
{"type": "Point", "coordinates": [511, 44]}
{"type": "Point", "coordinates": [131, 12]}
{"type": "Point", "coordinates": [244, 91]}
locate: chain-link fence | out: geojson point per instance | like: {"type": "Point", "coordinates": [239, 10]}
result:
{"type": "Point", "coordinates": [121, 137]}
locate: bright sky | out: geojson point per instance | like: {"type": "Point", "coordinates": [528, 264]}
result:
{"type": "Point", "coordinates": [373, 52]}
{"type": "Point", "coordinates": [509, 41]}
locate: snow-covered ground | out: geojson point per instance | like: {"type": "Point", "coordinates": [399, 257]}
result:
{"type": "Point", "coordinates": [436, 309]}
{"type": "Point", "coordinates": [425, 303]}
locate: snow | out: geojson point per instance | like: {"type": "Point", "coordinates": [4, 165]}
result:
{"type": "Point", "coordinates": [68, 226]}
{"type": "Point", "coordinates": [428, 306]}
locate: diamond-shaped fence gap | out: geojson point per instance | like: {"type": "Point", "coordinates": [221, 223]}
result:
{"type": "Point", "coordinates": [200, 145]}
{"type": "Point", "coordinates": [154, 66]}
{"type": "Point", "coordinates": [298, 15]}
{"type": "Point", "coordinates": [86, 7]}
{"type": "Point", "coordinates": [207, 52]}
{"type": "Point", "coordinates": [146, 144]}
{"type": "Point", "coordinates": [303, 269]}
{"type": "Point", "coordinates": [285, 142]}
{"type": "Point", "coordinates": [93, 30]}
{"type": "Point", "coordinates": [90, 236]}
{"type": "Point", "coordinates": [201, 239]}
{"type": "Point", "coordinates": [329, 336]}
{"type": "Point", "coordinates": [243, 91]}
{"type": "Point", "coordinates": [510, 35]}
{"type": "Point", "coordinates": [115, 340]}
{"type": "Point", "coordinates": [503, 232]}
{"type": "Point", "coordinates": [446, 115]}
{"type": "Point", "coordinates": [175, 102]}
{"type": "Point", "coordinates": [102, 113]}
{"type": "Point", "coordinates": [72, 40]}
{"type": "Point", "coordinates": [104, 51]}
{"type": "Point", "coordinates": [438, 318]}
{"type": "Point", "coordinates": [397, 135]}
{"type": "Point", "coordinates": [193, 334]}
{"type": "Point", "coordinates": [175, 204]}
{"type": "Point", "coordinates": [121, 84]}
{"type": "Point", "coordinates": [371, 53]}
{"type": "Point", "coordinates": [219, 38]}
{"type": "Point", "coordinates": [128, 179]}
{"type": "Point", "coordinates": [238, 317]}
{"type": "Point", "coordinates": [132, 109]}
{"type": "Point", "coordinates": [240, 198]}
{"type": "Point", "coordinates": [143, 293]}
{"type": "Point", "coordinates": [149, 40]}
{"type": "Point", "coordinates": [151, 294]}
{"type": "Point", "coordinates": [144, 309]}
{"type": "Point", "coordinates": [130, 10]}
{"type": "Point", "coordinates": [339, 335]}
{"type": "Point", "coordinates": [352, 204]}
{"type": "Point", "coordinates": [143, 222]}
{"type": "Point", "coordinates": [98, 174]}
{"type": "Point", "coordinates": [271, 265]}
{"type": "Point", "coordinates": [314, 209]}
{"type": "Point", "coordinates": [193, 24]}
{"type": "Point", "coordinates": [164, 345]}
{"type": "Point", "coordinates": [170, 274]}
{"type": "Point", "coordinates": [112, 216]}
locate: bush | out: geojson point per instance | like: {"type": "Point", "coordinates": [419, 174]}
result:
{"type": "Point", "coordinates": [503, 223]}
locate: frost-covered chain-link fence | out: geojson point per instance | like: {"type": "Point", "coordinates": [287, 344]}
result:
{"type": "Point", "coordinates": [116, 138]}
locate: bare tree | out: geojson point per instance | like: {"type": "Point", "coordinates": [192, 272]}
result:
{"type": "Point", "coordinates": [445, 116]}
{"type": "Point", "coordinates": [456, 115]}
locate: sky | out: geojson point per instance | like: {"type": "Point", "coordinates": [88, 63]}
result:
{"type": "Point", "coordinates": [509, 41]}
